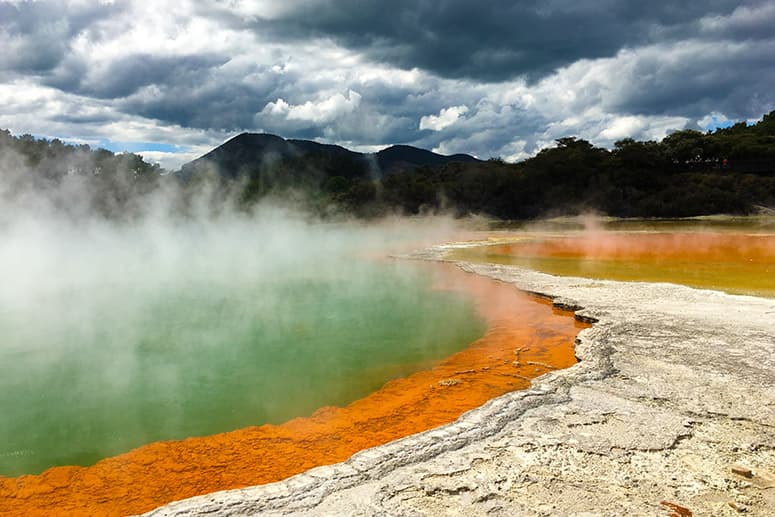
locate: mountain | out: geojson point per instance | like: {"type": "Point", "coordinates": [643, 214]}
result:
{"type": "Point", "coordinates": [250, 153]}
{"type": "Point", "coordinates": [400, 157]}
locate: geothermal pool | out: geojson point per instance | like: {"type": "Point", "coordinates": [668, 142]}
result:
{"type": "Point", "coordinates": [233, 327]}
{"type": "Point", "coordinates": [525, 337]}
{"type": "Point", "coordinates": [727, 256]}
{"type": "Point", "coordinates": [210, 355]}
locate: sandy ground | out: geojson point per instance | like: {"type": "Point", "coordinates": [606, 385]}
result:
{"type": "Point", "coordinates": [671, 409]}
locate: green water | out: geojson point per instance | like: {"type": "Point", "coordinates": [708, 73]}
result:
{"type": "Point", "coordinates": [92, 371]}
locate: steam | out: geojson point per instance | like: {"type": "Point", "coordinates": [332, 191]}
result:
{"type": "Point", "coordinates": [90, 287]}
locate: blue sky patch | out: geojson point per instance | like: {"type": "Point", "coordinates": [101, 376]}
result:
{"type": "Point", "coordinates": [138, 147]}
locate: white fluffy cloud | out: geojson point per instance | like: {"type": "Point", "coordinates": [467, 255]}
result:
{"type": "Point", "coordinates": [323, 111]}
{"type": "Point", "coordinates": [445, 118]}
{"type": "Point", "coordinates": [713, 120]}
{"type": "Point", "coordinates": [622, 127]}
{"type": "Point", "coordinates": [172, 160]}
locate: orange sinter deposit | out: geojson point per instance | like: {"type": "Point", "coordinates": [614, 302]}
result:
{"type": "Point", "coordinates": [526, 338]}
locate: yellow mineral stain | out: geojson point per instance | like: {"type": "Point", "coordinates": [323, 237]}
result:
{"type": "Point", "coordinates": [526, 338]}
{"type": "Point", "coordinates": [735, 263]}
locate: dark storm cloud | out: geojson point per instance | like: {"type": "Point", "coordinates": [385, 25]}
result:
{"type": "Point", "coordinates": [726, 79]}
{"type": "Point", "coordinates": [494, 40]}
{"type": "Point", "coordinates": [125, 75]}
{"type": "Point", "coordinates": [211, 98]}
{"type": "Point", "coordinates": [36, 35]}
{"type": "Point", "coordinates": [230, 107]}
{"type": "Point", "coordinates": [368, 125]}
{"type": "Point", "coordinates": [77, 118]}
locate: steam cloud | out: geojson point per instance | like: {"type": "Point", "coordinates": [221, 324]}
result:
{"type": "Point", "coordinates": [83, 292]}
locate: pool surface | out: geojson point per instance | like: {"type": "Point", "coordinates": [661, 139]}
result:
{"type": "Point", "coordinates": [731, 260]}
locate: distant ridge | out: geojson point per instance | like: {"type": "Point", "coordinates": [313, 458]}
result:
{"type": "Point", "coordinates": [250, 152]}
{"type": "Point", "coordinates": [399, 157]}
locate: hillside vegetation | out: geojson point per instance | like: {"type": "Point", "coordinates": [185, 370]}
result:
{"type": "Point", "coordinates": [688, 173]}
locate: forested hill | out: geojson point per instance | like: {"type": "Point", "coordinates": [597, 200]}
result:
{"type": "Point", "coordinates": [252, 154]}
{"type": "Point", "coordinates": [688, 173]}
{"type": "Point", "coordinates": [74, 178]}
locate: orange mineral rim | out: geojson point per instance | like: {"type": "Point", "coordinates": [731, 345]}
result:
{"type": "Point", "coordinates": [526, 337]}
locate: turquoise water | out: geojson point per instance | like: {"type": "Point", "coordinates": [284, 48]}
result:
{"type": "Point", "coordinates": [103, 363]}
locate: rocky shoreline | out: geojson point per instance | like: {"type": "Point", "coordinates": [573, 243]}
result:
{"type": "Point", "coordinates": [670, 409]}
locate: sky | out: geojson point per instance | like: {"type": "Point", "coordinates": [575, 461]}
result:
{"type": "Point", "coordinates": [172, 79]}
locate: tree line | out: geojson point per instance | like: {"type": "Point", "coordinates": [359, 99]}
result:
{"type": "Point", "coordinates": [74, 178]}
{"type": "Point", "coordinates": [688, 173]}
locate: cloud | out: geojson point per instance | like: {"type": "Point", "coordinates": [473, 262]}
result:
{"type": "Point", "coordinates": [445, 118]}
{"type": "Point", "coordinates": [127, 74]}
{"type": "Point", "coordinates": [503, 40]}
{"type": "Point", "coordinates": [173, 160]}
{"type": "Point", "coordinates": [501, 79]}
{"type": "Point", "coordinates": [714, 120]}
{"type": "Point", "coordinates": [622, 127]}
{"type": "Point", "coordinates": [320, 112]}
{"type": "Point", "coordinates": [752, 21]}
{"type": "Point", "coordinates": [36, 36]}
